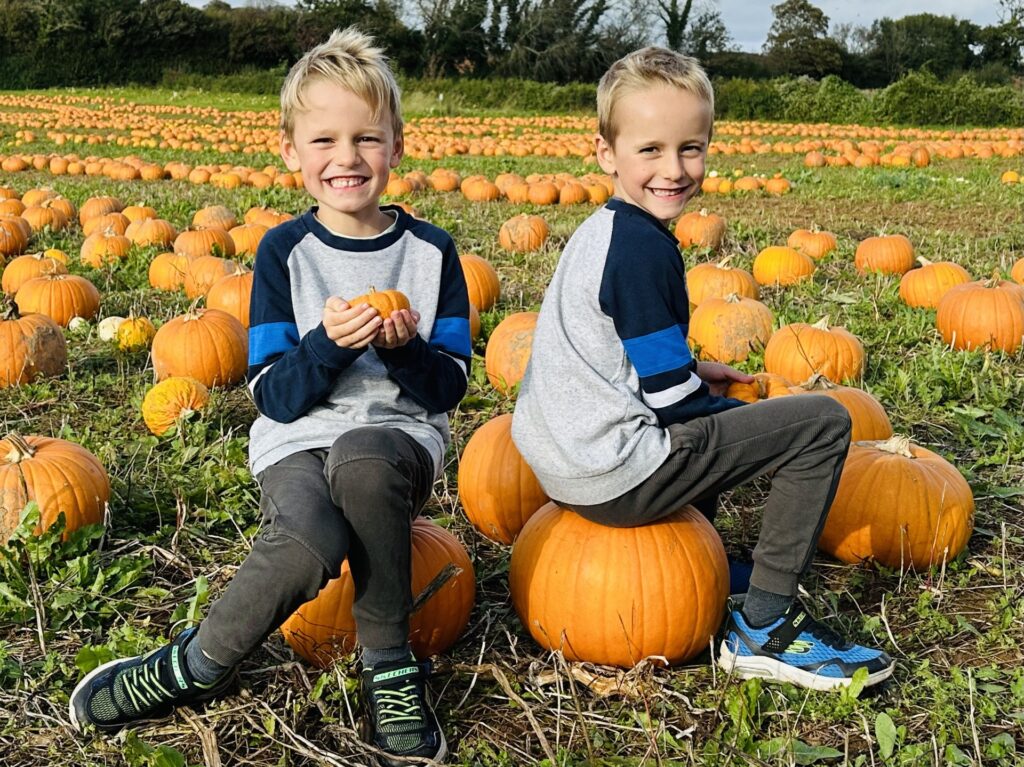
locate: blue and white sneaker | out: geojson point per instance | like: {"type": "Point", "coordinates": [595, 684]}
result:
{"type": "Point", "coordinates": [797, 648]}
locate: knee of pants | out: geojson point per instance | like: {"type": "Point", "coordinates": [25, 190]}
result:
{"type": "Point", "coordinates": [833, 416]}
{"type": "Point", "coordinates": [367, 443]}
{"type": "Point", "coordinates": [321, 531]}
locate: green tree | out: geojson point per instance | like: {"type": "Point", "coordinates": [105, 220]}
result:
{"type": "Point", "coordinates": [456, 38]}
{"type": "Point", "coordinates": [798, 42]}
{"type": "Point", "coordinates": [707, 34]}
{"type": "Point", "coordinates": [941, 44]}
{"type": "Point", "coordinates": [674, 18]}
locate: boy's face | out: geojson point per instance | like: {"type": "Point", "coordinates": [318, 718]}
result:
{"type": "Point", "coordinates": [345, 156]}
{"type": "Point", "coordinates": [657, 159]}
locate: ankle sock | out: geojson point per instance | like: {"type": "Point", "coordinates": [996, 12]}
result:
{"type": "Point", "coordinates": [763, 607]}
{"type": "Point", "coordinates": [202, 667]}
{"type": "Point", "coordinates": [371, 656]}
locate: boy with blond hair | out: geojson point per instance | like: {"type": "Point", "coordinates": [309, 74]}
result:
{"type": "Point", "coordinates": [352, 422]}
{"type": "Point", "coordinates": [622, 425]}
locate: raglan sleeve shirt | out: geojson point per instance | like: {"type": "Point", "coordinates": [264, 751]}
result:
{"type": "Point", "coordinates": [643, 291]}
{"type": "Point", "coordinates": [287, 375]}
{"type": "Point", "coordinates": [435, 373]}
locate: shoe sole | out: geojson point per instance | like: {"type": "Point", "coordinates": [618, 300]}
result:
{"type": "Point", "coordinates": [398, 761]}
{"type": "Point", "coordinates": [760, 667]}
{"type": "Point", "coordinates": [111, 728]}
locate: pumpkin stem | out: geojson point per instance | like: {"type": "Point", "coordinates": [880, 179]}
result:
{"type": "Point", "coordinates": [724, 263]}
{"type": "Point", "coordinates": [897, 444]}
{"type": "Point", "coordinates": [733, 298]}
{"type": "Point", "coordinates": [821, 324]}
{"type": "Point", "coordinates": [8, 309]}
{"type": "Point", "coordinates": [817, 382]}
{"type": "Point", "coordinates": [923, 261]}
{"type": "Point", "coordinates": [193, 309]}
{"type": "Point", "coordinates": [21, 450]}
{"type": "Point", "coordinates": [995, 280]}
{"type": "Point", "coordinates": [704, 212]}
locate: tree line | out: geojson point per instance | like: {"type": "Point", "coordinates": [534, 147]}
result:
{"type": "Point", "coordinates": [93, 42]}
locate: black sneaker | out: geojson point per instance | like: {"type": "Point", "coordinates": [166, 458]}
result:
{"type": "Point", "coordinates": [401, 721]}
{"type": "Point", "coordinates": [797, 648]}
{"type": "Point", "coordinates": [131, 691]}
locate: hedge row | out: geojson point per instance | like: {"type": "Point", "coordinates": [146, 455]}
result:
{"type": "Point", "coordinates": [918, 99]}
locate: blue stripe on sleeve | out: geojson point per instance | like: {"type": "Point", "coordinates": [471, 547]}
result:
{"type": "Point", "coordinates": [452, 334]}
{"type": "Point", "coordinates": [658, 352]}
{"type": "Point", "coordinates": [271, 338]}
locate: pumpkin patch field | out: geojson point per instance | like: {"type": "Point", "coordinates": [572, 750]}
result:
{"type": "Point", "coordinates": [879, 266]}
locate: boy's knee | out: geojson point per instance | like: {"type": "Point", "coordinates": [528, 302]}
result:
{"type": "Point", "coordinates": [834, 417]}
{"type": "Point", "coordinates": [364, 444]}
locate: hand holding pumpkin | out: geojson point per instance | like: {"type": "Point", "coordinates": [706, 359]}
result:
{"type": "Point", "coordinates": [397, 329]}
{"type": "Point", "coordinates": [350, 326]}
{"type": "Point", "coordinates": [718, 376]}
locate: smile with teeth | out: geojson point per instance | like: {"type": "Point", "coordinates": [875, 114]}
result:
{"type": "Point", "coordinates": [665, 192]}
{"type": "Point", "coordinates": [345, 182]}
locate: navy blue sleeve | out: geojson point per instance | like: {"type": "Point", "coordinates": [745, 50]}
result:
{"type": "Point", "coordinates": [435, 373]}
{"type": "Point", "coordinates": [643, 290]}
{"type": "Point", "coordinates": [287, 375]}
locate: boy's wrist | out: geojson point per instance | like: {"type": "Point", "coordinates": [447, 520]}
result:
{"type": "Point", "coordinates": [328, 352]}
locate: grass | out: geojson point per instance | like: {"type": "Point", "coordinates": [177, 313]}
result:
{"type": "Point", "coordinates": [184, 510]}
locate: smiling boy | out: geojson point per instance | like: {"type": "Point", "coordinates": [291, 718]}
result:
{"type": "Point", "coordinates": [622, 424]}
{"type": "Point", "coordinates": [352, 424]}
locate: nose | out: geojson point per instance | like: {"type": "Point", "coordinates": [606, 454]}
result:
{"type": "Point", "coordinates": [345, 154]}
{"type": "Point", "coordinates": [672, 166]}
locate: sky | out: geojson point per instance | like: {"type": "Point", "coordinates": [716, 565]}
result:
{"type": "Point", "coordinates": [748, 21]}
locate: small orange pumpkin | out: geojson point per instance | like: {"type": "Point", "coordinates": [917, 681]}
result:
{"type": "Point", "coordinates": [172, 399]}
{"type": "Point", "coordinates": [384, 301]}
{"type": "Point", "coordinates": [508, 350]}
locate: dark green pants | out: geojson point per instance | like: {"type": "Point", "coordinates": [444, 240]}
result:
{"type": "Point", "coordinates": [801, 440]}
{"type": "Point", "coordinates": [355, 501]}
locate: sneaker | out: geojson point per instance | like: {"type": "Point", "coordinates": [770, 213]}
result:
{"type": "Point", "coordinates": [401, 721]}
{"type": "Point", "coordinates": [131, 691]}
{"type": "Point", "coordinates": [797, 648]}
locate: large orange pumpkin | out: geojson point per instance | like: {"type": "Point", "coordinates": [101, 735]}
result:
{"type": "Point", "coordinates": [812, 242]}
{"type": "Point", "coordinates": [523, 233]}
{"type": "Point", "coordinates": [497, 488]}
{"type": "Point", "coordinates": [887, 253]}
{"type": "Point", "coordinates": [926, 286]}
{"type": "Point", "coordinates": [31, 345]}
{"type": "Point", "coordinates": [24, 268]}
{"type": "Point", "coordinates": [700, 228]}
{"type": "Point", "coordinates": [799, 351]}
{"type": "Point", "coordinates": [868, 417]}
{"type": "Point", "coordinates": [231, 294]}
{"type": "Point", "coordinates": [206, 344]}
{"type": "Point", "coordinates": [983, 314]}
{"type": "Point", "coordinates": [781, 265]}
{"type": "Point", "coordinates": [718, 280]}
{"type": "Point", "coordinates": [616, 595]}
{"type": "Point", "coordinates": [60, 297]}
{"type": "Point", "coordinates": [899, 504]}
{"type": "Point", "coordinates": [324, 630]}
{"type": "Point", "coordinates": [481, 281]}
{"type": "Point", "coordinates": [60, 476]}
{"type": "Point", "coordinates": [508, 350]}
{"type": "Point", "coordinates": [728, 329]}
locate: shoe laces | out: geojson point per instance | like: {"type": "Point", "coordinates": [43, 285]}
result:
{"type": "Point", "coordinates": [826, 635]}
{"type": "Point", "coordinates": [398, 705]}
{"type": "Point", "coordinates": [142, 686]}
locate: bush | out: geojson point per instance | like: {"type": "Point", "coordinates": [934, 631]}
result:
{"type": "Point", "coordinates": [920, 99]}
{"type": "Point", "coordinates": [259, 81]}
{"type": "Point", "coordinates": [742, 99]}
{"type": "Point", "coordinates": [505, 93]}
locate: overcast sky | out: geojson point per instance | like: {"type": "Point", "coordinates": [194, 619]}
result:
{"type": "Point", "coordinates": [748, 21]}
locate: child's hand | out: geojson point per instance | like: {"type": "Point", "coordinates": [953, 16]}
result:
{"type": "Point", "coordinates": [350, 327]}
{"type": "Point", "coordinates": [397, 329]}
{"type": "Point", "coordinates": [719, 376]}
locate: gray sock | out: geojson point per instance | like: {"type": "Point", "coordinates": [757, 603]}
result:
{"type": "Point", "coordinates": [763, 607]}
{"type": "Point", "coordinates": [203, 668]}
{"type": "Point", "coordinates": [371, 656]}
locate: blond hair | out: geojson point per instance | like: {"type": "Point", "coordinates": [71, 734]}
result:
{"type": "Point", "coordinates": [350, 60]}
{"type": "Point", "coordinates": [643, 68]}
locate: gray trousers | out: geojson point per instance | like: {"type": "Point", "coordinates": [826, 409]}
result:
{"type": "Point", "coordinates": [355, 501]}
{"type": "Point", "coordinates": [802, 440]}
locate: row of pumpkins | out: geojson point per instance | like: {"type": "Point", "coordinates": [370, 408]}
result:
{"type": "Point", "coordinates": [504, 502]}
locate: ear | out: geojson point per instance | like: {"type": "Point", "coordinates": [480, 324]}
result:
{"type": "Point", "coordinates": [288, 153]}
{"type": "Point", "coordinates": [397, 150]}
{"type": "Point", "coordinates": [605, 154]}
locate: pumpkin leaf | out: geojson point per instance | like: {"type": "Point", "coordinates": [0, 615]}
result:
{"type": "Point", "coordinates": [885, 734]}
